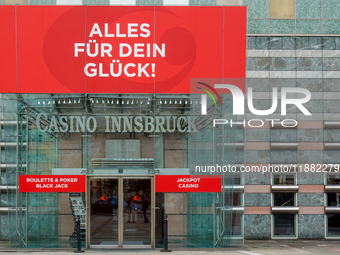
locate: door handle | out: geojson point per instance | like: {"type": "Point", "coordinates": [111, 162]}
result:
{"type": "Point", "coordinates": [156, 208]}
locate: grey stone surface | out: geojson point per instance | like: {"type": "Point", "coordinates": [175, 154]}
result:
{"type": "Point", "coordinates": [310, 178]}
{"type": "Point", "coordinates": [331, 157]}
{"type": "Point", "coordinates": [257, 178]}
{"type": "Point", "coordinates": [313, 85]}
{"type": "Point", "coordinates": [308, 157]}
{"type": "Point", "coordinates": [310, 199]}
{"type": "Point", "coordinates": [283, 157]}
{"type": "Point", "coordinates": [257, 135]}
{"type": "Point", "coordinates": [309, 135]}
{"type": "Point", "coordinates": [257, 199]}
{"type": "Point", "coordinates": [331, 135]}
{"type": "Point", "coordinates": [283, 135]}
{"type": "Point", "coordinates": [311, 226]}
{"type": "Point", "coordinates": [257, 157]}
{"type": "Point", "coordinates": [257, 226]}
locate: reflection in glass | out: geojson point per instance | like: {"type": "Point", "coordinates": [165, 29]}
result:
{"type": "Point", "coordinates": [333, 199]}
{"type": "Point", "coordinates": [137, 214]}
{"type": "Point", "coordinates": [104, 211]}
{"type": "Point", "coordinates": [283, 199]}
{"type": "Point", "coordinates": [284, 225]}
{"type": "Point", "coordinates": [333, 179]}
{"type": "Point", "coordinates": [333, 221]}
{"type": "Point", "coordinates": [283, 179]}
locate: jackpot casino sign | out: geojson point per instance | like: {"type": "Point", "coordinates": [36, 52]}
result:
{"type": "Point", "coordinates": [118, 49]}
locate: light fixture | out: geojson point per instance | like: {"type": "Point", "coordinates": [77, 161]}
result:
{"type": "Point", "coordinates": [112, 101]}
{"type": "Point", "coordinates": [137, 101]}
{"type": "Point", "coordinates": [102, 101]}
{"type": "Point", "coordinates": [170, 101]}
{"type": "Point", "coordinates": [180, 101]}
{"type": "Point", "coordinates": [53, 101]}
{"type": "Point", "coordinates": [190, 101]}
{"type": "Point", "coordinates": [44, 102]}
{"type": "Point", "coordinates": [64, 101]}
{"type": "Point", "coordinates": [127, 101]}
{"type": "Point", "coordinates": [49, 102]}
{"type": "Point", "coordinates": [165, 101]}
{"type": "Point", "coordinates": [117, 101]}
{"type": "Point", "coordinates": [75, 101]}
{"type": "Point", "coordinates": [186, 101]}
{"type": "Point", "coordinates": [69, 101]}
{"type": "Point", "coordinates": [132, 101]}
{"type": "Point", "coordinates": [149, 101]}
{"type": "Point", "coordinates": [141, 101]}
{"type": "Point", "coordinates": [79, 101]}
{"type": "Point", "coordinates": [160, 101]}
{"type": "Point", "coordinates": [59, 101]}
{"type": "Point", "coordinates": [176, 101]}
{"type": "Point", "coordinates": [97, 101]}
{"type": "Point", "coordinates": [38, 102]}
{"type": "Point", "coordinates": [107, 101]}
{"type": "Point", "coordinates": [122, 101]}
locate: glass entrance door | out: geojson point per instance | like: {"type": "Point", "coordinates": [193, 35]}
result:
{"type": "Point", "coordinates": [104, 212]}
{"type": "Point", "coordinates": [137, 215]}
{"type": "Point", "coordinates": [120, 212]}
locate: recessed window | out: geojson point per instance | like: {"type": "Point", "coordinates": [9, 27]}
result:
{"type": "Point", "coordinates": [333, 199]}
{"type": "Point", "coordinates": [333, 225]}
{"type": "Point", "coordinates": [282, 9]}
{"type": "Point", "coordinates": [283, 179]}
{"type": "Point", "coordinates": [284, 199]}
{"type": "Point", "coordinates": [333, 179]}
{"type": "Point", "coordinates": [284, 225]}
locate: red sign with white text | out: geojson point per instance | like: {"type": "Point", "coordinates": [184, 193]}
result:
{"type": "Point", "coordinates": [188, 183]}
{"type": "Point", "coordinates": [52, 183]}
{"type": "Point", "coordinates": [119, 49]}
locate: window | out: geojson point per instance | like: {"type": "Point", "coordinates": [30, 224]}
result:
{"type": "Point", "coordinates": [333, 225]}
{"type": "Point", "coordinates": [284, 199]}
{"type": "Point", "coordinates": [283, 179]}
{"type": "Point", "coordinates": [284, 224]}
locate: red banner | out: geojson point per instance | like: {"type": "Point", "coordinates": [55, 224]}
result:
{"type": "Point", "coordinates": [52, 183]}
{"type": "Point", "coordinates": [119, 49]}
{"type": "Point", "coordinates": [188, 183]}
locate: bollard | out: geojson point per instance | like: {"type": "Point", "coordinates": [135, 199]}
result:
{"type": "Point", "coordinates": [165, 234]}
{"type": "Point", "coordinates": [78, 236]}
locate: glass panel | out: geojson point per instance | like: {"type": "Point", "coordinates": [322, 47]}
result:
{"type": "Point", "coordinates": [284, 199]}
{"type": "Point", "coordinates": [333, 179]}
{"type": "Point", "coordinates": [333, 199]}
{"type": "Point", "coordinates": [104, 211]}
{"type": "Point", "coordinates": [283, 179]}
{"type": "Point", "coordinates": [137, 214]}
{"type": "Point", "coordinates": [333, 221]}
{"type": "Point", "coordinates": [237, 224]}
{"type": "Point", "coordinates": [284, 225]}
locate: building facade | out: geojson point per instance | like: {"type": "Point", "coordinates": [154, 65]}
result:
{"type": "Point", "coordinates": [286, 175]}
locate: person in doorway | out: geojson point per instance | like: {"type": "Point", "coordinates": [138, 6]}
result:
{"type": "Point", "coordinates": [145, 206]}
{"type": "Point", "coordinates": [130, 207]}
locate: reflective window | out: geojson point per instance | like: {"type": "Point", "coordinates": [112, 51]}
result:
{"type": "Point", "coordinates": [333, 179]}
{"type": "Point", "coordinates": [284, 199]}
{"type": "Point", "coordinates": [333, 225]}
{"type": "Point", "coordinates": [283, 179]}
{"type": "Point", "coordinates": [333, 199]}
{"type": "Point", "coordinates": [237, 224]}
{"type": "Point", "coordinates": [284, 224]}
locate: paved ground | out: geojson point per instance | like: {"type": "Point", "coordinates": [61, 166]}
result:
{"type": "Point", "coordinates": [277, 247]}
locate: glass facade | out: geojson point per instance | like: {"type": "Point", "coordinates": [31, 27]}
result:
{"type": "Point", "coordinates": [291, 44]}
{"type": "Point", "coordinates": [112, 139]}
